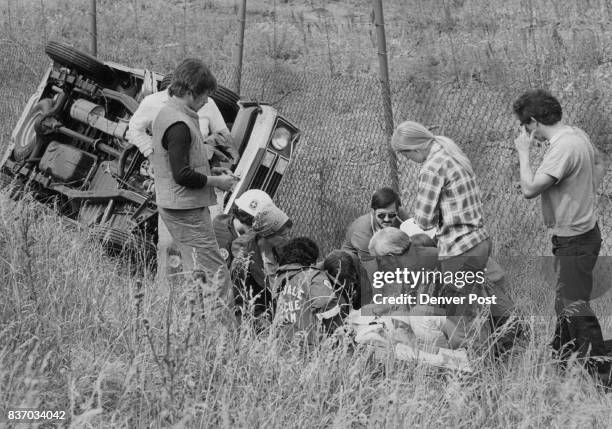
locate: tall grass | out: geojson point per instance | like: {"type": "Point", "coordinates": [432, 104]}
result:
{"type": "Point", "coordinates": [459, 40]}
{"type": "Point", "coordinates": [79, 334]}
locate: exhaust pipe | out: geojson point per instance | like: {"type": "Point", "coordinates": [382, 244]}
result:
{"type": "Point", "coordinates": [93, 114]}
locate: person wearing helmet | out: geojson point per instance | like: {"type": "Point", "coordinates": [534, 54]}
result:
{"type": "Point", "coordinates": [230, 226]}
{"type": "Point", "coordinates": [255, 260]}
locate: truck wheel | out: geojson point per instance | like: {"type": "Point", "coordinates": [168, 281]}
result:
{"type": "Point", "coordinates": [81, 62]}
{"type": "Point", "coordinates": [15, 184]}
{"type": "Point", "coordinates": [5, 180]}
{"type": "Point", "coordinates": [121, 242]}
{"type": "Point", "coordinates": [226, 100]}
{"type": "Point", "coordinates": [165, 82]}
{"type": "Point", "coordinates": [26, 139]}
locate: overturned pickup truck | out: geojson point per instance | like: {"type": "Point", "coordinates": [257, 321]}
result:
{"type": "Point", "coordinates": [69, 147]}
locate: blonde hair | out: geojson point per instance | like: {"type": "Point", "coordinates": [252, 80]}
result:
{"type": "Point", "coordinates": [389, 241]}
{"type": "Point", "coordinates": [411, 136]}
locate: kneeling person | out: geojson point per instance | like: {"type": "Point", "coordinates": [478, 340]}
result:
{"type": "Point", "coordinates": [306, 302]}
{"type": "Point", "coordinates": [255, 259]}
{"type": "Point", "coordinates": [228, 227]}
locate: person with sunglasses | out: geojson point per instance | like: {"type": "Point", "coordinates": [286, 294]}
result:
{"type": "Point", "coordinates": [449, 200]}
{"type": "Point", "coordinates": [386, 212]}
{"type": "Point", "coordinates": [567, 180]}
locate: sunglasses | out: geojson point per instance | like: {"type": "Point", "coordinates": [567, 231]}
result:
{"type": "Point", "coordinates": [383, 216]}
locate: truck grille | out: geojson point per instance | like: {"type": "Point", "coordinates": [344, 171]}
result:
{"type": "Point", "coordinates": [270, 173]}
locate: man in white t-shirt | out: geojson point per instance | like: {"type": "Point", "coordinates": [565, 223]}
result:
{"type": "Point", "coordinates": [215, 134]}
{"type": "Point", "coordinates": [567, 181]}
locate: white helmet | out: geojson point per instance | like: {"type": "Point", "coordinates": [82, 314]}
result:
{"type": "Point", "coordinates": [252, 201]}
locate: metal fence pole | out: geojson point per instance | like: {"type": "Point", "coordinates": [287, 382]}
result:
{"type": "Point", "coordinates": [239, 46]}
{"type": "Point", "coordinates": [94, 30]}
{"type": "Point", "coordinates": [9, 22]}
{"type": "Point", "coordinates": [385, 87]}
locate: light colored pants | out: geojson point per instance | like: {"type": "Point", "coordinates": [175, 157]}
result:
{"type": "Point", "coordinates": [166, 263]}
{"type": "Point", "coordinates": [168, 254]}
{"type": "Point", "coordinates": [193, 235]}
{"type": "Point", "coordinates": [217, 209]}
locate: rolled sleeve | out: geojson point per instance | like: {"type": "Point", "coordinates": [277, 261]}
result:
{"type": "Point", "coordinates": [426, 205]}
{"type": "Point", "coordinates": [139, 123]}
{"type": "Point", "coordinates": [217, 124]}
{"type": "Point", "coordinates": [210, 119]}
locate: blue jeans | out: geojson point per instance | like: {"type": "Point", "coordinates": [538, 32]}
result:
{"type": "Point", "coordinates": [577, 329]}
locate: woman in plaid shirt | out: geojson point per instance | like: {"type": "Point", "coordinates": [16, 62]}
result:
{"type": "Point", "coordinates": [449, 200]}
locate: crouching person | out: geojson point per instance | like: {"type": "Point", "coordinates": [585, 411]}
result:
{"type": "Point", "coordinates": [230, 226]}
{"type": "Point", "coordinates": [307, 304]}
{"type": "Point", "coordinates": [508, 328]}
{"type": "Point", "coordinates": [255, 262]}
{"type": "Point", "coordinates": [394, 250]}
{"type": "Point", "coordinates": [350, 279]}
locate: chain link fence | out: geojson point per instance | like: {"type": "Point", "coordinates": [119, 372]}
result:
{"type": "Point", "coordinates": [342, 157]}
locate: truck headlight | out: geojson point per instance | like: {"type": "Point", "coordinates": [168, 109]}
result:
{"type": "Point", "coordinates": [280, 138]}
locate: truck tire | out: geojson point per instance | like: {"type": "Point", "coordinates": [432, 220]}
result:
{"type": "Point", "coordinates": [5, 180]}
{"type": "Point", "coordinates": [26, 139]}
{"type": "Point", "coordinates": [165, 82]}
{"type": "Point", "coordinates": [122, 242]}
{"type": "Point", "coordinates": [13, 183]}
{"type": "Point", "coordinates": [81, 62]}
{"type": "Point", "coordinates": [226, 100]}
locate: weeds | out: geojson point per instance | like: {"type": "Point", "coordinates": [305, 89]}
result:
{"type": "Point", "coordinates": [112, 351]}
{"type": "Point", "coordinates": [78, 334]}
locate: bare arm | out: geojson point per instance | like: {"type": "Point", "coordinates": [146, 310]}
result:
{"type": "Point", "coordinates": [531, 185]}
{"type": "Point", "coordinates": [602, 163]}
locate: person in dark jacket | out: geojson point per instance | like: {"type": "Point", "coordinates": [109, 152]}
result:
{"type": "Point", "coordinates": [255, 261]}
{"type": "Point", "coordinates": [350, 278]}
{"type": "Point", "coordinates": [307, 304]}
{"type": "Point", "coordinates": [230, 226]}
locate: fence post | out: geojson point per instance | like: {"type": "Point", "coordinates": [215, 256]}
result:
{"type": "Point", "coordinates": [94, 30]}
{"type": "Point", "coordinates": [43, 17]}
{"type": "Point", "coordinates": [9, 22]}
{"type": "Point", "coordinates": [383, 70]}
{"type": "Point", "coordinates": [239, 46]}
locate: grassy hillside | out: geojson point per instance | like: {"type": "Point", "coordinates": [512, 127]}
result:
{"type": "Point", "coordinates": [80, 335]}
